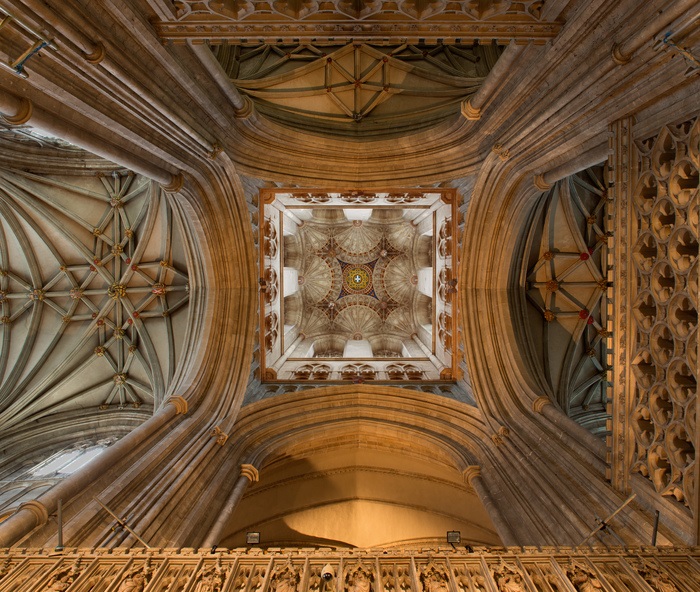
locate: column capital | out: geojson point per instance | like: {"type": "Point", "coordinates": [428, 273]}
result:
{"type": "Point", "coordinates": [246, 110]}
{"type": "Point", "coordinates": [180, 404]}
{"type": "Point", "coordinates": [540, 403]}
{"type": "Point", "coordinates": [469, 111]}
{"type": "Point", "coordinates": [540, 183]}
{"type": "Point", "coordinates": [250, 472]}
{"type": "Point", "coordinates": [41, 514]}
{"type": "Point", "coordinates": [176, 183]}
{"type": "Point", "coordinates": [618, 56]}
{"type": "Point", "coordinates": [97, 54]}
{"type": "Point", "coordinates": [470, 473]}
{"type": "Point", "coordinates": [23, 115]}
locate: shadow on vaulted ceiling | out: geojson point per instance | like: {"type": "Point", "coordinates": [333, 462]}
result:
{"type": "Point", "coordinates": [358, 89]}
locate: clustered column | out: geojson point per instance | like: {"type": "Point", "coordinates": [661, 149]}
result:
{"type": "Point", "coordinates": [472, 475]}
{"type": "Point", "coordinates": [249, 474]}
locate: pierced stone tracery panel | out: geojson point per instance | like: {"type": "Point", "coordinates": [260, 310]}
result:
{"type": "Point", "coordinates": [664, 352]}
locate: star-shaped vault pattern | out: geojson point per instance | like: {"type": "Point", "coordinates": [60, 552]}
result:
{"type": "Point", "coordinates": [94, 293]}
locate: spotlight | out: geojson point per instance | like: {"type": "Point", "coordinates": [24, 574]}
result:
{"type": "Point", "coordinates": [252, 538]}
{"type": "Point", "coordinates": [454, 537]}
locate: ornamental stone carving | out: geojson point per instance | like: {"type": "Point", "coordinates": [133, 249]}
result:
{"type": "Point", "coordinates": [433, 578]}
{"type": "Point", "coordinates": [664, 354]}
{"type": "Point", "coordinates": [286, 578]}
{"type": "Point", "coordinates": [359, 579]}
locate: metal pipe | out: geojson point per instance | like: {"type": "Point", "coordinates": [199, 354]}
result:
{"type": "Point", "coordinates": [93, 52]}
{"type": "Point", "coordinates": [59, 518]}
{"type": "Point", "coordinates": [656, 529]}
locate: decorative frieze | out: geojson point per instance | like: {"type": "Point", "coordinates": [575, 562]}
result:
{"type": "Point", "coordinates": [258, 21]}
{"type": "Point", "coordinates": [303, 570]}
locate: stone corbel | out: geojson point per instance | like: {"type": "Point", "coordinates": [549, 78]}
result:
{"type": "Point", "coordinates": [215, 151]}
{"type": "Point", "coordinates": [469, 111]}
{"type": "Point", "coordinates": [540, 183]}
{"type": "Point", "coordinates": [498, 437]}
{"type": "Point", "coordinates": [502, 152]}
{"type": "Point", "coordinates": [96, 55]}
{"type": "Point", "coordinates": [220, 436]}
{"type": "Point", "coordinates": [471, 473]}
{"type": "Point", "coordinates": [246, 110]}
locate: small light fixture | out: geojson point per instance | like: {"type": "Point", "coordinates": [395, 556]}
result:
{"type": "Point", "coordinates": [454, 537]}
{"type": "Point", "coordinates": [252, 538]}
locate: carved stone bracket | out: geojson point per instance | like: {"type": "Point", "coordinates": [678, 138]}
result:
{"type": "Point", "coordinates": [96, 55]}
{"type": "Point", "coordinates": [176, 183]}
{"type": "Point", "coordinates": [502, 152]}
{"type": "Point", "coordinates": [221, 437]}
{"type": "Point", "coordinates": [471, 113]}
{"type": "Point", "coordinates": [540, 183]}
{"type": "Point", "coordinates": [471, 473]}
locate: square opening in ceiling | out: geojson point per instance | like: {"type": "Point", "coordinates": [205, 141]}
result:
{"type": "Point", "coordinates": [358, 286]}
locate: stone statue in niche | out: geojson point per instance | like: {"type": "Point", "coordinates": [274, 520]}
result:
{"type": "Point", "coordinates": [388, 581]}
{"type": "Point", "coordinates": [583, 579]}
{"type": "Point", "coordinates": [242, 579]}
{"type": "Point", "coordinates": [433, 579]}
{"type": "Point", "coordinates": [508, 578]}
{"type": "Point", "coordinates": [60, 581]}
{"type": "Point", "coordinates": [315, 582]}
{"type": "Point", "coordinates": [285, 579]}
{"type": "Point", "coordinates": [546, 580]}
{"type": "Point", "coordinates": [210, 579]}
{"type": "Point", "coordinates": [359, 579]}
{"type": "Point", "coordinates": [65, 577]}
{"type": "Point", "coordinates": [659, 581]}
{"type": "Point", "coordinates": [135, 581]}
{"type": "Point", "coordinates": [403, 579]}
{"type": "Point", "coordinates": [464, 576]}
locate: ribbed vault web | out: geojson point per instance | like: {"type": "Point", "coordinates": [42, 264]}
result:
{"type": "Point", "coordinates": [358, 88]}
{"type": "Point", "coordinates": [564, 280]}
{"type": "Point", "coordinates": [93, 294]}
